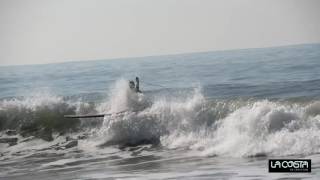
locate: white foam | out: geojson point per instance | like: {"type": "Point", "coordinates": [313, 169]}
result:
{"type": "Point", "coordinates": [60, 162]}
{"type": "Point", "coordinates": [261, 128]}
{"type": "Point", "coordinates": [31, 102]}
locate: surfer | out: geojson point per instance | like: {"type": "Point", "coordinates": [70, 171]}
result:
{"type": "Point", "coordinates": [137, 85]}
{"type": "Point", "coordinates": [134, 86]}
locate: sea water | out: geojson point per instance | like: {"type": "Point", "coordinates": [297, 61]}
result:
{"type": "Point", "coordinates": [210, 115]}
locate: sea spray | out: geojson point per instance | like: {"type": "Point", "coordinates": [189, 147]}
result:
{"type": "Point", "coordinates": [134, 126]}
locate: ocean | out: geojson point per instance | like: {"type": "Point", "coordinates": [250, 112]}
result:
{"type": "Point", "coordinates": [208, 115]}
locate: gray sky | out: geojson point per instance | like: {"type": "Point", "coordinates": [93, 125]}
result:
{"type": "Point", "coordinates": [45, 31]}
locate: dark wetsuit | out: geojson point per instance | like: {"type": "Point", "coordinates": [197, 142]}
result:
{"type": "Point", "coordinates": [137, 85]}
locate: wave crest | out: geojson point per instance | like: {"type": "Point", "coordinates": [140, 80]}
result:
{"type": "Point", "coordinates": [229, 127]}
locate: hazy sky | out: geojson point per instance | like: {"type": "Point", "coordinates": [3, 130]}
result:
{"type": "Point", "coordinates": [43, 31]}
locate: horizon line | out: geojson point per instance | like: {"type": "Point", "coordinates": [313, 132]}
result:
{"type": "Point", "coordinates": [160, 55]}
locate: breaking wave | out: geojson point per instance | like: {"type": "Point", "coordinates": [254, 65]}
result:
{"type": "Point", "coordinates": [259, 128]}
{"type": "Point", "coordinates": [225, 127]}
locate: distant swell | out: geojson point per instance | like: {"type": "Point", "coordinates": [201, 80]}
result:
{"type": "Point", "coordinates": [230, 127]}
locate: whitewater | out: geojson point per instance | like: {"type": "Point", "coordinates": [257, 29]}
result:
{"type": "Point", "coordinates": [214, 115]}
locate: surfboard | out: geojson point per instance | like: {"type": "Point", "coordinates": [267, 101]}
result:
{"type": "Point", "coordinates": [93, 115]}
{"type": "Point", "coordinates": [84, 116]}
